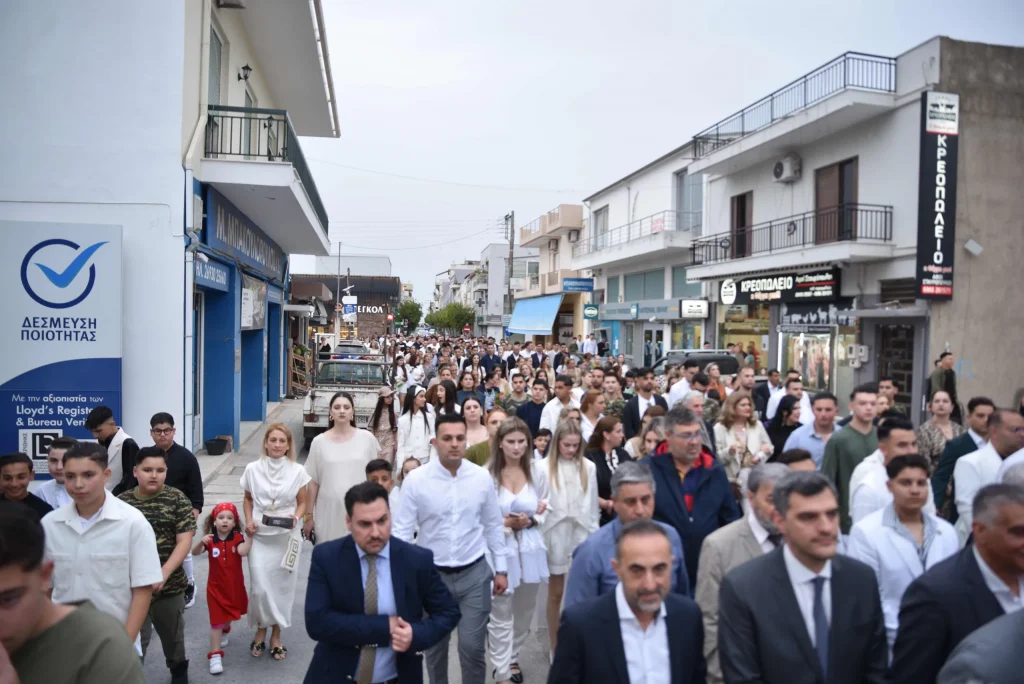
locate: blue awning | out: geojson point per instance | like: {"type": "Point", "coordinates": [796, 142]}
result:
{"type": "Point", "coordinates": [535, 316]}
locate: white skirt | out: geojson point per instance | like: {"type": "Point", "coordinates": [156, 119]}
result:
{"type": "Point", "coordinates": [561, 541]}
{"type": "Point", "coordinates": [526, 558]}
{"type": "Point", "coordinates": [271, 587]}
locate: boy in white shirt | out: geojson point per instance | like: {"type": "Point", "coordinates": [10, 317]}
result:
{"type": "Point", "coordinates": [103, 549]}
{"type": "Point", "coordinates": [53, 491]}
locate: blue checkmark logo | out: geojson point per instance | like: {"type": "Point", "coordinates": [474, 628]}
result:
{"type": "Point", "coordinates": [71, 262]}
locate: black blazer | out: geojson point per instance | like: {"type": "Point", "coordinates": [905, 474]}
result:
{"type": "Point", "coordinates": [631, 418]}
{"type": "Point", "coordinates": [590, 643]}
{"type": "Point", "coordinates": [939, 609]}
{"type": "Point", "coordinates": [335, 617]}
{"type": "Point", "coordinates": [762, 636]}
{"type": "Point", "coordinates": [604, 476]}
{"type": "Point", "coordinates": [955, 449]}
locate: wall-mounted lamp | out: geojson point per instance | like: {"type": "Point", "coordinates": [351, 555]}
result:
{"type": "Point", "coordinates": [243, 73]}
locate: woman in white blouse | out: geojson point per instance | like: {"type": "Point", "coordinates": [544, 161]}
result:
{"type": "Point", "coordinates": [522, 494]}
{"type": "Point", "coordinates": [415, 428]}
{"type": "Point", "coordinates": [572, 513]}
{"type": "Point", "coordinates": [415, 368]}
{"type": "Point", "coordinates": [741, 441]}
{"type": "Point", "coordinates": [592, 407]}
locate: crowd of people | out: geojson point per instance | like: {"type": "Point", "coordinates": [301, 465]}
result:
{"type": "Point", "coordinates": [691, 527]}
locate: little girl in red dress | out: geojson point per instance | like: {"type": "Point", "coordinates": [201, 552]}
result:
{"type": "Point", "coordinates": [225, 589]}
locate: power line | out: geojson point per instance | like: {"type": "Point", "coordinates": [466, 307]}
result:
{"type": "Point", "coordinates": [445, 182]}
{"type": "Point", "coordinates": [403, 249]}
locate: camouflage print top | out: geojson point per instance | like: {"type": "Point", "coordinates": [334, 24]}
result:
{"type": "Point", "coordinates": [509, 404]}
{"type": "Point", "coordinates": [169, 512]}
{"type": "Point", "coordinates": [615, 408]}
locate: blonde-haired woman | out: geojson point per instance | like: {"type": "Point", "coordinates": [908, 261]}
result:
{"type": "Point", "coordinates": [652, 435]}
{"type": "Point", "coordinates": [275, 493]}
{"type": "Point", "coordinates": [336, 463]}
{"type": "Point", "coordinates": [635, 445]}
{"type": "Point", "coordinates": [592, 409]}
{"type": "Point", "coordinates": [523, 496]}
{"type": "Point", "coordinates": [572, 513]}
{"type": "Point", "coordinates": [741, 441]}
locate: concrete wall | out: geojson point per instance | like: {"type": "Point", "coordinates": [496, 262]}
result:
{"type": "Point", "coordinates": [649, 192]}
{"type": "Point", "coordinates": [96, 93]}
{"type": "Point", "coordinates": [983, 323]}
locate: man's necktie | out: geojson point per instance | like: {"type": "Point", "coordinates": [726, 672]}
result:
{"type": "Point", "coordinates": [775, 538]}
{"type": "Point", "coordinates": [820, 625]}
{"type": "Point", "coordinates": [364, 673]}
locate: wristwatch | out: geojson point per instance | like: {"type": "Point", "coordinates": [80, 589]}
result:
{"type": "Point", "coordinates": [503, 573]}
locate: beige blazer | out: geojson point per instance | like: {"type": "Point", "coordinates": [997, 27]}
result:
{"type": "Point", "coordinates": [723, 550]}
{"type": "Point", "coordinates": [726, 438]}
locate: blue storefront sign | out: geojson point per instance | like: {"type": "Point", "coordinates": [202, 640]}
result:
{"type": "Point", "coordinates": [61, 332]}
{"type": "Point", "coordinates": [230, 231]}
{"type": "Point", "coordinates": [212, 275]}
{"type": "Point", "coordinates": [577, 284]}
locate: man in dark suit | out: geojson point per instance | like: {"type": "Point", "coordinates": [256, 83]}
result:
{"type": "Point", "coordinates": [978, 411]}
{"type": "Point", "coordinates": [374, 631]}
{"type": "Point", "coordinates": [766, 390]}
{"type": "Point", "coordinates": [640, 632]}
{"type": "Point", "coordinates": [632, 415]}
{"type": "Point", "coordinates": [954, 598]}
{"type": "Point", "coordinates": [801, 614]}
{"type": "Point", "coordinates": [692, 492]}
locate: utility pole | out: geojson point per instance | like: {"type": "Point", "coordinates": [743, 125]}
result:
{"type": "Point", "coordinates": [510, 224]}
{"type": "Point", "coordinates": [337, 301]}
{"type": "Point", "coordinates": [348, 290]}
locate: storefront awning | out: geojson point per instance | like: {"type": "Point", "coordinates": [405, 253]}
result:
{"type": "Point", "coordinates": [535, 316]}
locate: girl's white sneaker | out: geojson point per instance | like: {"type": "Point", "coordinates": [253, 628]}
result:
{"type": "Point", "coordinates": [216, 666]}
{"type": "Point", "coordinates": [224, 640]}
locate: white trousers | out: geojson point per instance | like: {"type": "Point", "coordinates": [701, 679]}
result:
{"type": "Point", "coordinates": [511, 617]}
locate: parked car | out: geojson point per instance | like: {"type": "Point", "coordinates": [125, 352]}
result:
{"type": "Point", "coordinates": [362, 378]}
{"type": "Point", "coordinates": [727, 363]}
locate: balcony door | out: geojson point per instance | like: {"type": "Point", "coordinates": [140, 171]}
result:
{"type": "Point", "coordinates": [742, 221]}
{"type": "Point", "coordinates": [835, 202]}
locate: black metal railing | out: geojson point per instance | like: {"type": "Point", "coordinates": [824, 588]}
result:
{"type": "Point", "coordinates": [260, 135]}
{"type": "Point", "coordinates": [663, 221]}
{"type": "Point", "coordinates": [852, 70]}
{"type": "Point", "coordinates": [843, 223]}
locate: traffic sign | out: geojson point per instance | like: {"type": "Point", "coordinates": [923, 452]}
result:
{"type": "Point", "coordinates": [391, 317]}
{"type": "Point", "coordinates": [466, 329]}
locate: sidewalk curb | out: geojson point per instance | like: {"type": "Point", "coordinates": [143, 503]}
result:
{"type": "Point", "coordinates": [223, 467]}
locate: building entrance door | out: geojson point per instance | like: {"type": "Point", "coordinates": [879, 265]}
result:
{"type": "Point", "coordinates": [654, 345]}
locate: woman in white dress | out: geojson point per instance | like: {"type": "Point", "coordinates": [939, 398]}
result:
{"type": "Point", "coordinates": [415, 367]}
{"type": "Point", "coordinates": [572, 513]}
{"type": "Point", "coordinates": [415, 427]}
{"type": "Point", "coordinates": [522, 494]}
{"type": "Point", "coordinates": [741, 441]}
{"type": "Point", "coordinates": [592, 407]}
{"type": "Point", "coordinates": [336, 463]}
{"type": "Point", "coordinates": [476, 427]}
{"type": "Point", "coordinates": [275, 487]}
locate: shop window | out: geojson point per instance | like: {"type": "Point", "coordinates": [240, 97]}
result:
{"type": "Point", "coordinates": [683, 289]}
{"type": "Point", "coordinates": [745, 324]}
{"type": "Point", "coordinates": [613, 289]}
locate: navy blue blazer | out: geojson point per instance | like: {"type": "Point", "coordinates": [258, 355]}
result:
{"type": "Point", "coordinates": [714, 505]}
{"type": "Point", "coordinates": [335, 617]}
{"type": "Point", "coordinates": [590, 643]}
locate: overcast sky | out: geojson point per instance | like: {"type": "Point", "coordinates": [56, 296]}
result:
{"type": "Point", "coordinates": [546, 101]}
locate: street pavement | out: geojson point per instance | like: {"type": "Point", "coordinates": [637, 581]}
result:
{"type": "Point", "coordinates": [221, 483]}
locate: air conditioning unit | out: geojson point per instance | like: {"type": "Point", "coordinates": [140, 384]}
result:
{"type": "Point", "coordinates": [574, 236]}
{"type": "Point", "coordinates": [787, 169]}
{"type": "Point", "coordinates": [552, 245]}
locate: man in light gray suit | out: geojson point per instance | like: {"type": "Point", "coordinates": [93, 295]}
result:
{"type": "Point", "coordinates": [985, 657]}
{"type": "Point", "coordinates": [750, 537]}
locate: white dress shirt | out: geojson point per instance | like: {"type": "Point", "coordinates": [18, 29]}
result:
{"type": "Point", "coordinates": [385, 666]}
{"type": "Point", "coordinates": [646, 650]}
{"type": "Point", "coordinates": [806, 412]}
{"type": "Point", "coordinates": [459, 517]}
{"type": "Point", "coordinates": [677, 392]}
{"type": "Point", "coordinates": [802, 580]}
{"type": "Point", "coordinates": [760, 534]}
{"type": "Point", "coordinates": [1016, 459]}
{"type": "Point", "coordinates": [978, 439]}
{"type": "Point", "coordinates": [53, 493]}
{"type": "Point", "coordinates": [643, 404]}
{"type": "Point", "coordinates": [552, 410]}
{"type": "Point", "coordinates": [1008, 602]}
{"type": "Point", "coordinates": [971, 473]}
{"type": "Point", "coordinates": [872, 492]}
{"type": "Point", "coordinates": [103, 559]}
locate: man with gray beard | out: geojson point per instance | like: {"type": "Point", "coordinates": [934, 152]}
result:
{"type": "Point", "coordinates": [738, 542]}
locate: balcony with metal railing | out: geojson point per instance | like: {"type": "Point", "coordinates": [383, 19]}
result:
{"type": "Point", "coordinates": [848, 232]}
{"type": "Point", "coordinates": [859, 86]}
{"type": "Point", "coordinates": [640, 238]}
{"type": "Point", "coordinates": [531, 234]}
{"type": "Point", "coordinates": [253, 157]}
{"type": "Point", "coordinates": [533, 287]}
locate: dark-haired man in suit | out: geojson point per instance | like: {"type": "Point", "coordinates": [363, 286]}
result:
{"type": "Point", "coordinates": [643, 399]}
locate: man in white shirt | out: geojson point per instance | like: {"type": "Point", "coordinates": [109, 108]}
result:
{"type": "Point", "coordinates": [53, 491]}
{"type": "Point", "coordinates": [690, 368]}
{"type": "Point", "coordinates": [103, 549]}
{"type": "Point", "coordinates": [869, 484]}
{"type": "Point", "coordinates": [980, 468]}
{"type": "Point", "coordinates": [627, 635]}
{"type": "Point", "coordinates": [795, 388]}
{"type": "Point", "coordinates": [563, 400]}
{"type": "Point", "coordinates": [590, 345]}
{"type": "Point", "coordinates": [1010, 463]}
{"type": "Point", "coordinates": [455, 504]}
